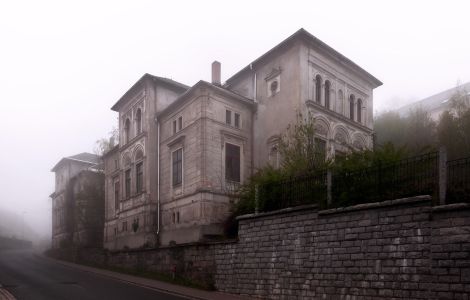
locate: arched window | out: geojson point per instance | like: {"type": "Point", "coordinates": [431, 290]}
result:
{"type": "Point", "coordinates": [351, 107]}
{"type": "Point", "coordinates": [318, 88]}
{"type": "Point", "coordinates": [139, 171]}
{"type": "Point", "coordinates": [340, 102]}
{"type": "Point", "coordinates": [127, 131]}
{"type": "Point", "coordinates": [359, 110]}
{"type": "Point", "coordinates": [138, 121]}
{"type": "Point", "coordinates": [327, 94]}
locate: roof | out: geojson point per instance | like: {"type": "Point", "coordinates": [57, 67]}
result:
{"type": "Point", "coordinates": [166, 81]}
{"type": "Point", "coordinates": [200, 83]}
{"type": "Point", "coordinates": [84, 158]}
{"type": "Point", "coordinates": [303, 34]}
{"type": "Point", "coordinates": [434, 102]}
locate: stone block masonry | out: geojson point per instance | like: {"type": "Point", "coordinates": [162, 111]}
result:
{"type": "Point", "coordinates": [400, 249]}
{"type": "Point", "coordinates": [394, 249]}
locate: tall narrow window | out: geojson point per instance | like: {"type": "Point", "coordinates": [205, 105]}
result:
{"type": "Point", "coordinates": [340, 106]}
{"type": "Point", "coordinates": [327, 94]}
{"type": "Point", "coordinates": [228, 117]}
{"type": "Point", "coordinates": [351, 107]}
{"type": "Point", "coordinates": [320, 150]}
{"type": "Point", "coordinates": [237, 120]}
{"type": "Point", "coordinates": [359, 110]}
{"type": "Point", "coordinates": [318, 88]}
{"type": "Point", "coordinates": [116, 194]}
{"type": "Point", "coordinates": [177, 167]}
{"type": "Point", "coordinates": [174, 126]}
{"type": "Point", "coordinates": [232, 162]}
{"type": "Point", "coordinates": [138, 121]}
{"type": "Point", "coordinates": [127, 131]}
{"type": "Point", "coordinates": [127, 177]}
{"type": "Point", "coordinates": [139, 176]}
{"type": "Point", "coordinates": [180, 123]}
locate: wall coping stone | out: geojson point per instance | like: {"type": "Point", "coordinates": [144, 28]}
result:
{"type": "Point", "coordinates": [402, 201]}
{"type": "Point", "coordinates": [451, 207]}
{"type": "Point", "coordinates": [278, 212]}
{"type": "Point", "coordinates": [194, 244]}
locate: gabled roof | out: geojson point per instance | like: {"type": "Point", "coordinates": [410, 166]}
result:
{"type": "Point", "coordinates": [434, 102]}
{"type": "Point", "coordinates": [206, 84]}
{"type": "Point", "coordinates": [165, 81]}
{"type": "Point", "coordinates": [303, 34]}
{"type": "Point", "coordinates": [84, 158]}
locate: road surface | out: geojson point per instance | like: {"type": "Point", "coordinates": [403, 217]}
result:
{"type": "Point", "coordinates": [27, 275]}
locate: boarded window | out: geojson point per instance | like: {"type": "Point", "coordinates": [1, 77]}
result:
{"type": "Point", "coordinates": [232, 162]}
{"type": "Point", "coordinates": [177, 163]}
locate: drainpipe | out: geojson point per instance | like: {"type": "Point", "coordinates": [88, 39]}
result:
{"type": "Point", "coordinates": [158, 177]}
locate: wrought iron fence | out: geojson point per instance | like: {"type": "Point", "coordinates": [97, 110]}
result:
{"type": "Point", "coordinates": [458, 180]}
{"type": "Point", "coordinates": [417, 175]}
{"type": "Point", "coordinates": [297, 191]}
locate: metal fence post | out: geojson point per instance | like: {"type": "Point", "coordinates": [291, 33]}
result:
{"type": "Point", "coordinates": [256, 198]}
{"type": "Point", "coordinates": [329, 181]}
{"type": "Point", "coordinates": [442, 175]}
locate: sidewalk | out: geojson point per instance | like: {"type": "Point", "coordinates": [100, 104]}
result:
{"type": "Point", "coordinates": [178, 290]}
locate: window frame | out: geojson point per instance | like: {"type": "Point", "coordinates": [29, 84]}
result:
{"type": "Point", "coordinates": [116, 192]}
{"type": "Point", "coordinates": [229, 175]}
{"type": "Point", "coordinates": [139, 177]}
{"type": "Point", "coordinates": [175, 166]}
{"type": "Point", "coordinates": [127, 183]}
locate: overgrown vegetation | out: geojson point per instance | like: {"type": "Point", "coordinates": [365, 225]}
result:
{"type": "Point", "coordinates": [418, 133]}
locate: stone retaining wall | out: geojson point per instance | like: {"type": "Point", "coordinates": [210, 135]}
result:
{"type": "Point", "coordinates": [403, 248]}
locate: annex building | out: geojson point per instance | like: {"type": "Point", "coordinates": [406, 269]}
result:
{"type": "Point", "coordinates": [181, 148]}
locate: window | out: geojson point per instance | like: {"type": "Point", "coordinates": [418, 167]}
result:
{"type": "Point", "coordinates": [116, 194]}
{"type": "Point", "coordinates": [177, 217]}
{"type": "Point", "coordinates": [273, 87]}
{"type": "Point", "coordinates": [237, 120]}
{"type": "Point", "coordinates": [177, 167]}
{"type": "Point", "coordinates": [173, 218]}
{"type": "Point", "coordinates": [318, 88]}
{"type": "Point", "coordinates": [228, 117]}
{"type": "Point", "coordinates": [232, 162]}
{"type": "Point", "coordinates": [127, 131]}
{"type": "Point", "coordinates": [327, 94]}
{"type": "Point", "coordinates": [127, 177]}
{"type": "Point", "coordinates": [180, 123]}
{"type": "Point", "coordinates": [351, 107]}
{"type": "Point", "coordinates": [174, 126]}
{"type": "Point", "coordinates": [116, 164]}
{"type": "Point", "coordinates": [320, 150]}
{"type": "Point", "coordinates": [138, 121]}
{"type": "Point", "coordinates": [340, 102]}
{"type": "Point", "coordinates": [177, 124]}
{"type": "Point", "coordinates": [139, 176]}
{"type": "Point", "coordinates": [359, 110]}
{"type": "Point", "coordinates": [124, 226]}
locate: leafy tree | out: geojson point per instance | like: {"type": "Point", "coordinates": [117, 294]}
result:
{"type": "Point", "coordinates": [390, 128]}
{"type": "Point", "coordinates": [103, 145]}
{"type": "Point", "coordinates": [420, 132]}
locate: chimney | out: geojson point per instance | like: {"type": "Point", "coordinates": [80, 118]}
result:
{"type": "Point", "coordinates": [216, 73]}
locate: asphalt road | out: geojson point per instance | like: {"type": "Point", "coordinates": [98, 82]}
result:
{"type": "Point", "coordinates": [29, 276]}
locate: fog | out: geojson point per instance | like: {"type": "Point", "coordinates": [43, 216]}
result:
{"type": "Point", "coordinates": [63, 65]}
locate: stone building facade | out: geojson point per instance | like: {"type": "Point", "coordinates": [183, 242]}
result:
{"type": "Point", "coordinates": [78, 184]}
{"type": "Point", "coordinates": [193, 145]}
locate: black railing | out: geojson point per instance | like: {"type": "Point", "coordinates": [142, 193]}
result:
{"type": "Point", "coordinates": [458, 180]}
{"type": "Point", "coordinates": [413, 176]}
{"type": "Point", "coordinates": [297, 191]}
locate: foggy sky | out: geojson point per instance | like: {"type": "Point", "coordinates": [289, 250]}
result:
{"type": "Point", "coordinates": [63, 64]}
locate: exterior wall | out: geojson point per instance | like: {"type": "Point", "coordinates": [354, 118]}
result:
{"type": "Point", "coordinates": [275, 111]}
{"type": "Point", "coordinates": [150, 97]}
{"type": "Point", "coordinates": [60, 212]}
{"type": "Point", "coordinates": [200, 202]}
{"type": "Point", "coordinates": [400, 249]}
